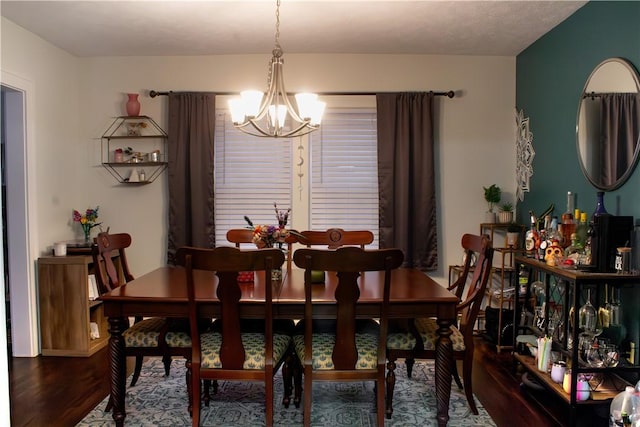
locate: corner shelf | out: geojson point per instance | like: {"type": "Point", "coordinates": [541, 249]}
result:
{"type": "Point", "coordinates": [141, 133]}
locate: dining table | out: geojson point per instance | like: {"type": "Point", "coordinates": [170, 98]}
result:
{"type": "Point", "coordinates": [163, 293]}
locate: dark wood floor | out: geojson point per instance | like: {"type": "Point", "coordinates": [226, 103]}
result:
{"type": "Point", "coordinates": [60, 391]}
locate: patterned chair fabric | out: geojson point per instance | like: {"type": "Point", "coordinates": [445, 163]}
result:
{"type": "Point", "coordinates": [253, 344]}
{"type": "Point", "coordinates": [323, 343]}
{"type": "Point", "coordinates": [428, 330]}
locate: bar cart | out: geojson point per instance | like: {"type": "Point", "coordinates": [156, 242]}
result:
{"type": "Point", "coordinates": [550, 306]}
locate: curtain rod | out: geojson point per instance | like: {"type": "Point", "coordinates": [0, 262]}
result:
{"type": "Point", "coordinates": [594, 95]}
{"type": "Point", "coordinates": [448, 94]}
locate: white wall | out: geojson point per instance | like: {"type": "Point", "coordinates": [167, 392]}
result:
{"type": "Point", "coordinates": [76, 99]}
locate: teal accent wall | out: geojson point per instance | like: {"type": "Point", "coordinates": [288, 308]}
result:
{"type": "Point", "coordinates": [550, 77]}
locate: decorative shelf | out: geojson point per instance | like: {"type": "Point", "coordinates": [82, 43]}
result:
{"type": "Point", "coordinates": [146, 139]}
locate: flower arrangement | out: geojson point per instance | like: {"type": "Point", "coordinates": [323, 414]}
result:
{"type": "Point", "coordinates": [268, 236]}
{"type": "Point", "coordinates": [87, 220]}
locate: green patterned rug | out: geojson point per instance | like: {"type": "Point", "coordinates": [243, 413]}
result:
{"type": "Point", "coordinates": [162, 401]}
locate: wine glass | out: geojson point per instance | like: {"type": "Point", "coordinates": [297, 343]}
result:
{"type": "Point", "coordinates": [588, 318]}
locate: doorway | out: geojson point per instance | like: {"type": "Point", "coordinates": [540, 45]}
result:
{"type": "Point", "coordinates": [20, 317]}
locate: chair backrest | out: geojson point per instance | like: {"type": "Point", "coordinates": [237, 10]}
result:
{"type": "Point", "coordinates": [240, 235]}
{"type": "Point", "coordinates": [245, 235]}
{"type": "Point", "coordinates": [336, 237]}
{"type": "Point", "coordinates": [348, 262]}
{"type": "Point", "coordinates": [107, 274]}
{"type": "Point", "coordinates": [470, 306]}
{"type": "Point", "coordinates": [227, 262]}
{"type": "Point", "coordinates": [471, 247]}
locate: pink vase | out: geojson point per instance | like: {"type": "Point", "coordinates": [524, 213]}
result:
{"type": "Point", "coordinates": [133, 105]}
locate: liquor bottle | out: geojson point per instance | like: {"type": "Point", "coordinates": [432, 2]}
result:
{"type": "Point", "coordinates": [544, 237]}
{"type": "Point", "coordinates": [575, 251]}
{"type": "Point", "coordinates": [553, 234]}
{"type": "Point", "coordinates": [532, 238]}
{"type": "Point", "coordinates": [582, 228]}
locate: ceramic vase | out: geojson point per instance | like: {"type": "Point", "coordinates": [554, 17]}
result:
{"type": "Point", "coordinates": [133, 105]}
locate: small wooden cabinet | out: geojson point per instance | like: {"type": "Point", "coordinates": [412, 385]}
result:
{"type": "Point", "coordinates": [65, 309]}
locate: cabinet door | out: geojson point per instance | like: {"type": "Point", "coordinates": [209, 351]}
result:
{"type": "Point", "coordinates": [64, 313]}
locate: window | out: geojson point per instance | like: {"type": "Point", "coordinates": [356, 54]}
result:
{"type": "Point", "coordinates": [341, 182]}
{"type": "Point", "coordinates": [250, 174]}
{"type": "Point", "coordinates": [344, 173]}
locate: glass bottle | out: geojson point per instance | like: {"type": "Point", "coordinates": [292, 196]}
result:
{"type": "Point", "coordinates": [532, 238]}
{"type": "Point", "coordinates": [581, 229]}
{"type": "Point", "coordinates": [575, 251]}
{"type": "Point", "coordinates": [600, 209]}
{"type": "Point", "coordinates": [570, 203]}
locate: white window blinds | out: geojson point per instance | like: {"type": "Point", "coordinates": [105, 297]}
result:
{"type": "Point", "coordinates": [344, 172]}
{"type": "Point", "coordinates": [250, 175]}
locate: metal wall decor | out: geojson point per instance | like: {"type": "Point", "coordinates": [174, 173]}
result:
{"type": "Point", "coordinates": [524, 154]}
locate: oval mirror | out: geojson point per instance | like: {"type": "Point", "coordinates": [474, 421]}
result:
{"type": "Point", "coordinates": [608, 124]}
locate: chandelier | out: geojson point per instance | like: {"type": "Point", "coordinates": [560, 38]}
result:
{"type": "Point", "coordinates": [265, 115]}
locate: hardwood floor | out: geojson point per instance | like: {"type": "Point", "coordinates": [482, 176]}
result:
{"type": "Point", "coordinates": [60, 391]}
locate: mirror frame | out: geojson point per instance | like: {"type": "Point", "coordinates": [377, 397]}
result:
{"type": "Point", "coordinates": [633, 74]}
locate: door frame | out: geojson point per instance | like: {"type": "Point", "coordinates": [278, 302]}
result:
{"type": "Point", "coordinates": [22, 231]}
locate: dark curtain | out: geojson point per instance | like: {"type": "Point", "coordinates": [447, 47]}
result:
{"type": "Point", "coordinates": [620, 127]}
{"type": "Point", "coordinates": [406, 177]}
{"type": "Point", "coordinates": [191, 201]}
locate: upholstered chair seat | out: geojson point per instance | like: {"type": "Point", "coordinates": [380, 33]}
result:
{"type": "Point", "coordinates": [253, 344]}
{"type": "Point", "coordinates": [323, 344]}
{"type": "Point", "coordinates": [428, 330]}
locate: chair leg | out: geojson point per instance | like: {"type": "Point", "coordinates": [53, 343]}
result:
{"type": "Point", "coordinates": [391, 384]}
{"type": "Point", "coordinates": [409, 362]}
{"type": "Point", "coordinates": [308, 387]}
{"type": "Point", "coordinates": [195, 389]}
{"type": "Point", "coordinates": [467, 364]}
{"type": "Point", "coordinates": [136, 370]}
{"type": "Point", "coordinates": [380, 402]}
{"type": "Point", "coordinates": [189, 391]}
{"type": "Point", "coordinates": [297, 381]}
{"type": "Point", "coordinates": [456, 376]}
{"type": "Point", "coordinates": [166, 359]}
{"type": "Point", "coordinates": [205, 394]}
{"type": "Point", "coordinates": [287, 379]}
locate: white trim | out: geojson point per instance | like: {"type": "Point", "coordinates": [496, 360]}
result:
{"type": "Point", "coordinates": [24, 229]}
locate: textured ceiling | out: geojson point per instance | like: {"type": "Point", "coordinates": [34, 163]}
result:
{"type": "Point", "coordinates": [149, 28]}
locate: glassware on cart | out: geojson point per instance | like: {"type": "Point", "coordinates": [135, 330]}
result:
{"type": "Point", "coordinates": [588, 318]}
{"type": "Point", "coordinates": [593, 355]}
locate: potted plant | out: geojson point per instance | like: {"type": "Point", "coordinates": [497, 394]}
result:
{"type": "Point", "coordinates": [513, 234]}
{"type": "Point", "coordinates": [492, 195]}
{"type": "Point", "coordinates": [506, 213]}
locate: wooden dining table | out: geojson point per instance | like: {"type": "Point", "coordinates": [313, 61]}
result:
{"type": "Point", "coordinates": [163, 293]}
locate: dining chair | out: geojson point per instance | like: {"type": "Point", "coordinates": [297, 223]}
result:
{"type": "Point", "coordinates": [334, 238]}
{"type": "Point", "coordinates": [153, 336]}
{"type": "Point", "coordinates": [344, 353]}
{"type": "Point", "coordinates": [229, 352]}
{"type": "Point", "coordinates": [419, 339]}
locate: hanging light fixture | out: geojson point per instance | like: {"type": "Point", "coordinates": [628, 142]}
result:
{"type": "Point", "coordinates": [265, 115]}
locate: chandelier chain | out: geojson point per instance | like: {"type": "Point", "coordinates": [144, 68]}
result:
{"type": "Point", "coordinates": [277, 50]}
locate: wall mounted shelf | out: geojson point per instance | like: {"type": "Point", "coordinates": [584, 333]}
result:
{"type": "Point", "coordinates": [143, 145]}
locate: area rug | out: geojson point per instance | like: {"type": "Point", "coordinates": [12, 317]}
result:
{"type": "Point", "coordinates": [157, 400]}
